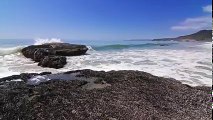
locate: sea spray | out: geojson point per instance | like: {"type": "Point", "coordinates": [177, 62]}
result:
{"type": "Point", "coordinates": [41, 41]}
{"type": "Point", "coordinates": [17, 49]}
{"type": "Point", "coordinates": [11, 50]}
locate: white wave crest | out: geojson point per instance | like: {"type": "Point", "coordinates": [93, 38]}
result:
{"type": "Point", "coordinates": [41, 41]}
{"type": "Point", "coordinates": [11, 50]}
{"type": "Point", "coordinates": [90, 48]}
{"type": "Point", "coordinates": [206, 45]}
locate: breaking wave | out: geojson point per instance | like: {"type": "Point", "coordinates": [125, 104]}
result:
{"type": "Point", "coordinates": [41, 41]}
{"type": "Point", "coordinates": [11, 50]}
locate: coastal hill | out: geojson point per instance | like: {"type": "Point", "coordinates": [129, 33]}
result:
{"type": "Point", "coordinates": [203, 35]}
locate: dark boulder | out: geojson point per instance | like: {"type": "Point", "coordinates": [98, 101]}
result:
{"type": "Point", "coordinates": [29, 52]}
{"type": "Point", "coordinates": [58, 49]}
{"type": "Point", "coordinates": [39, 52]}
{"type": "Point", "coordinates": [53, 62]}
{"type": "Point", "coordinates": [65, 49]}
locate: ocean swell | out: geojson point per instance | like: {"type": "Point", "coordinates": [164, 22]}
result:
{"type": "Point", "coordinates": [122, 46]}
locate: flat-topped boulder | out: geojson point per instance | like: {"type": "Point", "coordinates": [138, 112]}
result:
{"type": "Point", "coordinates": [59, 50]}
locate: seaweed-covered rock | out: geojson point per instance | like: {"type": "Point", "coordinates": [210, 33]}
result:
{"type": "Point", "coordinates": [130, 95]}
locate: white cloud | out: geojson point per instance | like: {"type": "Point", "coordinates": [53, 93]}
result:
{"type": "Point", "coordinates": [208, 8]}
{"type": "Point", "coordinates": [197, 23]}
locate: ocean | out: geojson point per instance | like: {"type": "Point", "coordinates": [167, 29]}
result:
{"type": "Point", "coordinates": [188, 62]}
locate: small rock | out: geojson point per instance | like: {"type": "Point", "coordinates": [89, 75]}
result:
{"type": "Point", "coordinates": [74, 111]}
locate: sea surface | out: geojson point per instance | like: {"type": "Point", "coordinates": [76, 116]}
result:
{"type": "Point", "coordinates": [188, 62]}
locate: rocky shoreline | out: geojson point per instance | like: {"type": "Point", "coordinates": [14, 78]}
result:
{"type": "Point", "coordinates": [99, 95]}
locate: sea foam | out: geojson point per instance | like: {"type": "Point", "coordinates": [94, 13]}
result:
{"type": "Point", "coordinates": [191, 65]}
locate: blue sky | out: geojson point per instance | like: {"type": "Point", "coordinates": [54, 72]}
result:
{"type": "Point", "coordinates": [102, 19]}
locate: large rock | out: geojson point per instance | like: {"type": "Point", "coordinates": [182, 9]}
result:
{"type": "Point", "coordinates": [58, 49]}
{"type": "Point", "coordinates": [127, 95]}
{"type": "Point", "coordinates": [39, 52]}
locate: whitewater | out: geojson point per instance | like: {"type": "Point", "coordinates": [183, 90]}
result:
{"type": "Point", "coordinates": [188, 62]}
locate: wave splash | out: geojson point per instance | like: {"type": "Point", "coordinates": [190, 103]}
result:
{"type": "Point", "coordinates": [12, 50]}
{"type": "Point", "coordinates": [41, 41]}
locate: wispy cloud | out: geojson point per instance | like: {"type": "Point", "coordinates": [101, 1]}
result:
{"type": "Point", "coordinates": [198, 23]}
{"type": "Point", "coordinates": [195, 24]}
{"type": "Point", "coordinates": [208, 8]}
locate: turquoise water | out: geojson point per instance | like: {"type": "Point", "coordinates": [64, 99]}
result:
{"type": "Point", "coordinates": [107, 45]}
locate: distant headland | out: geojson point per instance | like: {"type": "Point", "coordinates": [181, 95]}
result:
{"type": "Point", "coordinates": [203, 35]}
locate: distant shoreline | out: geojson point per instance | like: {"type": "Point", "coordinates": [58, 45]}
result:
{"type": "Point", "coordinates": [203, 35]}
